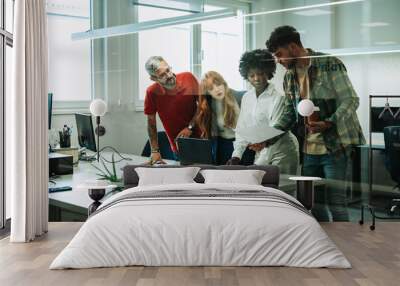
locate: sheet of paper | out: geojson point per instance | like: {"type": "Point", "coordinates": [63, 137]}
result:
{"type": "Point", "coordinates": [258, 133]}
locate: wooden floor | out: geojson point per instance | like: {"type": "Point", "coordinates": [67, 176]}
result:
{"type": "Point", "coordinates": [375, 256]}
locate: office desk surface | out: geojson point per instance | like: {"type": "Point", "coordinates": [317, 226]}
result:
{"type": "Point", "coordinates": [85, 171]}
{"type": "Point", "coordinates": [77, 200]}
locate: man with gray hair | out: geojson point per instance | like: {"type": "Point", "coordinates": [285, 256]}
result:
{"type": "Point", "coordinates": [174, 98]}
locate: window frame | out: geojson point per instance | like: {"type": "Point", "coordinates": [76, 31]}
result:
{"type": "Point", "coordinates": [64, 107]}
{"type": "Point", "coordinates": [248, 31]}
{"type": "Point", "coordinates": [70, 107]}
{"type": "Point", "coordinates": [195, 42]}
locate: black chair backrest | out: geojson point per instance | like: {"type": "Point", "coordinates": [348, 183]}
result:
{"type": "Point", "coordinates": [381, 119]}
{"type": "Point", "coordinates": [163, 144]}
{"type": "Point", "coordinates": [392, 148]}
{"type": "Point", "coordinates": [238, 94]}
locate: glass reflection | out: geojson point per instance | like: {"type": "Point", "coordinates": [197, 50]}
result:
{"type": "Point", "coordinates": [345, 53]}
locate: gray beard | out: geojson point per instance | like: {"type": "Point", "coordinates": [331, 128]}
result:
{"type": "Point", "coordinates": [170, 85]}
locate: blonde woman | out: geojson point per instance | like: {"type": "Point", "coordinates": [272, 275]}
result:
{"type": "Point", "coordinates": [218, 111]}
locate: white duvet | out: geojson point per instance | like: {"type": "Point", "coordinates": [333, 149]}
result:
{"type": "Point", "coordinates": [200, 231]}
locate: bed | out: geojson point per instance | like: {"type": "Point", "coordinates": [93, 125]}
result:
{"type": "Point", "coordinates": [201, 224]}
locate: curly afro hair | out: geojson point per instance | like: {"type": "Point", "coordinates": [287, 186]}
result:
{"type": "Point", "coordinates": [259, 59]}
{"type": "Point", "coordinates": [281, 37]}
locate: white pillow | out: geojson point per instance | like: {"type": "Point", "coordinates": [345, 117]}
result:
{"type": "Point", "coordinates": [166, 176]}
{"type": "Point", "coordinates": [248, 177]}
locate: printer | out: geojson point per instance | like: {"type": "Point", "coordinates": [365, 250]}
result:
{"type": "Point", "coordinates": [60, 164]}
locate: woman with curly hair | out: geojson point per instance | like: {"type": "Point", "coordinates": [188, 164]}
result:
{"type": "Point", "coordinates": [263, 104]}
{"type": "Point", "coordinates": [218, 111]}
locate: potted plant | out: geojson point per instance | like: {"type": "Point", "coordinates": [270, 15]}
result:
{"type": "Point", "coordinates": [109, 174]}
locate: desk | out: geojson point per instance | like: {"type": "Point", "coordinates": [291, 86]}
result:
{"type": "Point", "coordinates": [72, 205]}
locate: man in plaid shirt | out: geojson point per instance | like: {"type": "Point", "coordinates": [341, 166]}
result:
{"type": "Point", "coordinates": [326, 137]}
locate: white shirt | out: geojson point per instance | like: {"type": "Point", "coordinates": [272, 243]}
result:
{"type": "Point", "coordinates": [265, 109]}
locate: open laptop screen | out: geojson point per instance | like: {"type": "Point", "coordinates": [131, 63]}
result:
{"type": "Point", "coordinates": [195, 151]}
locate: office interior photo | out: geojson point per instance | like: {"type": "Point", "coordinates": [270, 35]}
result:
{"type": "Point", "coordinates": [201, 142]}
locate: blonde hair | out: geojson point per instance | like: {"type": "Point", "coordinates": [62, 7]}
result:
{"type": "Point", "coordinates": [231, 107]}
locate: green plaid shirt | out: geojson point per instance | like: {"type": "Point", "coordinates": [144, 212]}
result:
{"type": "Point", "coordinates": [330, 90]}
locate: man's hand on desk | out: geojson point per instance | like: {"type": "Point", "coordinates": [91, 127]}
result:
{"type": "Point", "coordinates": [156, 159]}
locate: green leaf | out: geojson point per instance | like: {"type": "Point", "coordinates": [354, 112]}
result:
{"type": "Point", "coordinates": [105, 167]}
{"type": "Point", "coordinates": [114, 178]}
{"type": "Point", "coordinates": [106, 174]}
{"type": "Point", "coordinates": [100, 175]}
{"type": "Point", "coordinates": [113, 165]}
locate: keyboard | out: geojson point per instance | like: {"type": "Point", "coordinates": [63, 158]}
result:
{"type": "Point", "coordinates": [60, 189]}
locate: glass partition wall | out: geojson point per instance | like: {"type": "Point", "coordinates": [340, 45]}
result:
{"type": "Point", "coordinates": [362, 35]}
{"type": "Point", "coordinates": [358, 36]}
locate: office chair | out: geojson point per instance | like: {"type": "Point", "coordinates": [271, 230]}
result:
{"type": "Point", "coordinates": [392, 157]}
{"type": "Point", "coordinates": [163, 144]}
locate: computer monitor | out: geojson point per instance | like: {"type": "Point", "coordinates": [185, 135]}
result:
{"type": "Point", "coordinates": [49, 107]}
{"type": "Point", "coordinates": [84, 126]}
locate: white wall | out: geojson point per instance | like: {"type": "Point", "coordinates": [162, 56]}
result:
{"type": "Point", "coordinates": [352, 23]}
{"type": "Point", "coordinates": [263, 26]}
{"type": "Point", "coordinates": [376, 75]}
{"type": "Point", "coordinates": [125, 130]}
{"type": "Point", "coordinates": [316, 31]}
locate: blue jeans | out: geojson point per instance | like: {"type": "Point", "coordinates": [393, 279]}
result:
{"type": "Point", "coordinates": [333, 168]}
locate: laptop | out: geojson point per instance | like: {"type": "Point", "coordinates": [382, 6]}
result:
{"type": "Point", "coordinates": [195, 151]}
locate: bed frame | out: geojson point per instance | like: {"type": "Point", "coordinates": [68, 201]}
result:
{"type": "Point", "coordinates": [270, 179]}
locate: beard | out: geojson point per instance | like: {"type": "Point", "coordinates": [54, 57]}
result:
{"type": "Point", "coordinates": [170, 83]}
